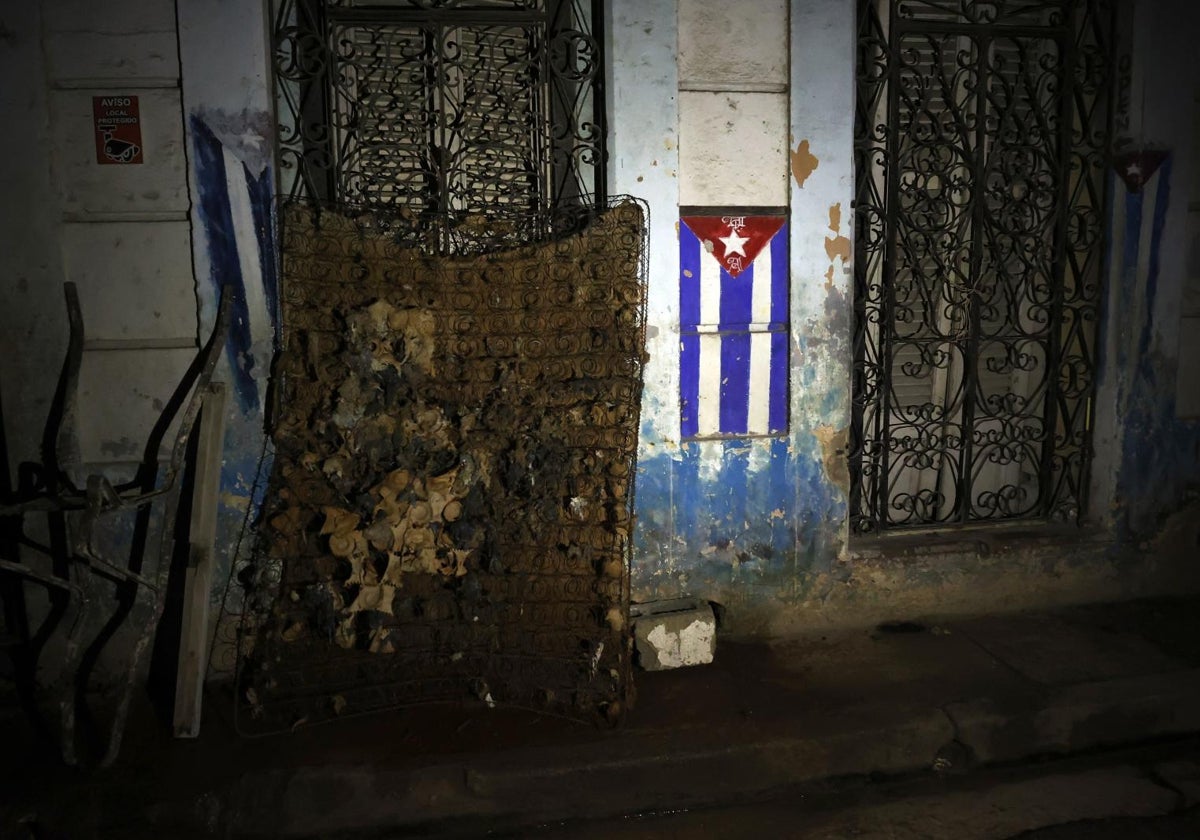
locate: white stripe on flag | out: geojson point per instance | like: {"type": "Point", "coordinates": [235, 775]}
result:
{"type": "Point", "coordinates": [759, 421]}
{"type": "Point", "coordinates": [710, 290]}
{"type": "Point", "coordinates": [760, 299]}
{"type": "Point", "coordinates": [247, 246]}
{"type": "Point", "coordinates": [708, 414]}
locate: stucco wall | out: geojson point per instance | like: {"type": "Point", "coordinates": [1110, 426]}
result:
{"type": "Point", "coordinates": [709, 104]}
{"type": "Point", "coordinates": [760, 525]}
{"type": "Point", "coordinates": [750, 522]}
{"type": "Point", "coordinates": [1147, 461]}
{"type": "Point", "coordinates": [229, 123]}
{"type": "Point", "coordinates": [120, 232]}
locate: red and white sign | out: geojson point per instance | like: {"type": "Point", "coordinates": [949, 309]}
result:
{"type": "Point", "coordinates": [734, 240]}
{"type": "Point", "coordinates": [118, 129]}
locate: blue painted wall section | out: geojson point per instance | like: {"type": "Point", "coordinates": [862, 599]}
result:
{"type": "Point", "coordinates": [1160, 453]}
{"type": "Point", "coordinates": [236, 228]}
{"type": "Point", "coordinates": [745, 522]}
{"type": "Point", "coordinates": [219, 188]}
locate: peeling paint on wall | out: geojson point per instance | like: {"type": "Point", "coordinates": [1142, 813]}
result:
{"type": "Point", "coordinates": [803, 163]}
{"type": "Point", "coordinates": [234, 245]}
{"type": "Point", "coordinates": [837, 245]}
{"type": "Point", "coordinates": [834, 443]}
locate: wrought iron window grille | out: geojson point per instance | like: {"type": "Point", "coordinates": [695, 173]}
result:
{"type": "Point", "coordinates": [480, 121]}
{"type": "Point", "coordinates": [980, 140]}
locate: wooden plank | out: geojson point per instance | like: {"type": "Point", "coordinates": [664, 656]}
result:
{"type": "Point", "coordinates": [193, 638]}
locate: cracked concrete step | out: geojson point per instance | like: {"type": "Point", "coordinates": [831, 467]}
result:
{"type": "Point", "coordinates": [1080, 717]}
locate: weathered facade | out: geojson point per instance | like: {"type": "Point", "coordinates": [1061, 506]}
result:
{"type": "Point", "coordinates": [712, 108]}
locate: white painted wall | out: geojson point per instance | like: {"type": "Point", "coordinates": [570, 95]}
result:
{"type": "Point", "coordinates": [733, 104]}
{"type": "Point", "coordinates": [643, 112]}
{"type": "Point", "coordinates": [33, 324]}
{"type": "Point", "coordinates": [120, 232]}
{"type": "Point", "coordinates": [1163, 86]}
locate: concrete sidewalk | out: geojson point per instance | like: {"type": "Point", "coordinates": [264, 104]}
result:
{"type": "Point", "coordinates": [896, 699]}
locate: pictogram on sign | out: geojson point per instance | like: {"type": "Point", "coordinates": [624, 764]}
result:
{"type": "Point", "coordinates": [118, 128]}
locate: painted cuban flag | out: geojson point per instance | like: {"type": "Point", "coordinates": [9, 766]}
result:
{"type": "Point", "coordinates": [733, 302]}
{"type": "Point", "coordinates": [236, 205]}
{"type": "Point", "coordinates": [1137, 227]}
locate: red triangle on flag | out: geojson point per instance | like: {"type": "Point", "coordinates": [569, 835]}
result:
{"type": "Point", "coordinates": [734, 241]}
{"type": "Point", "coordinates": [1137, 167]}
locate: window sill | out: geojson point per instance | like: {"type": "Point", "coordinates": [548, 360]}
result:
{"type": "Point", "coordinates": [978, 539]}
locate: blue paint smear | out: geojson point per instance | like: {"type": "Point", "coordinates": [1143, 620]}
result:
{"type": "Point", "coordinates": [1155, 465]}
{"type": "Point", "coordinates": [686, 499]}
{"type": "Point", "coordinates": [729, 493]}
{"type": "Point", "coordinates": [217, 218]}
{"type": "Point", "coordinates": [735, 530]}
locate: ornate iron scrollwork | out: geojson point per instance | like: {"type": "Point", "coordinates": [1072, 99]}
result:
{"type": "Point", "coordinates": [463, 116]}
{"type": "Point", "coordinates": [981, 130]}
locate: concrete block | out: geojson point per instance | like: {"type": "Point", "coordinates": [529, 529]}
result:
{"type": "Point", "coordinates": [130, 17]}
{"type": "Point", "coordinates": [722, 43]}
{"type": "Point", "coordinates": [121, 395]}
{"type": "Point", "coordinates": [157, 186]}
{"type": "Point", "coordinates": [674, 633]}
{"type": "Point", "coordinates": [135, 278]}
{"type": "Point", "coordinates": [81, 56]}
{"type": "Point", "coordinates": [733, 149]}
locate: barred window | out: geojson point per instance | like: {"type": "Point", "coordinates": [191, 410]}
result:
{"type": "Point", "coordinates": [474, 124]}
{"type": "Point", "coordinates": [981, 168]}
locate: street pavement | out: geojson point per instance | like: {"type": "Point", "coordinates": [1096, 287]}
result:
{"type": "Point", "coordinates": [1142, 794]}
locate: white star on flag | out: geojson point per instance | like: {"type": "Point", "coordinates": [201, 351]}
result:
{"type": "Point", "coordinates": [734, 243]}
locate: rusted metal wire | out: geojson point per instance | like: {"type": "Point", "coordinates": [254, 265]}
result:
{"type": "Point", "coordinates": [450, 507]}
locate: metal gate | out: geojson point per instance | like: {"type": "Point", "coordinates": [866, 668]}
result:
{"type": "Point", "coordinates": [980, 141]}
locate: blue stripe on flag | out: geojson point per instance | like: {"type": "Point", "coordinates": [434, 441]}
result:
{"type": "Point", "coordinates": [777, 417]}
{"type": "Point", "coordinates": [1133, 229]}
{"type": "Point", "coordinates": [779, 278]}
{"type": "Point", "coordinates": [689, 385]}
{"type": "Point", "coordinates": [737, 298]}
{"type": "Point", "coordinates": [1161, 201]}
{"type": "Point", "coordinates": [735, 383]}
{"type": "Point", "coordinates": [213, 192]}
{"type": "Point", "coordinates": [689, 277]}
